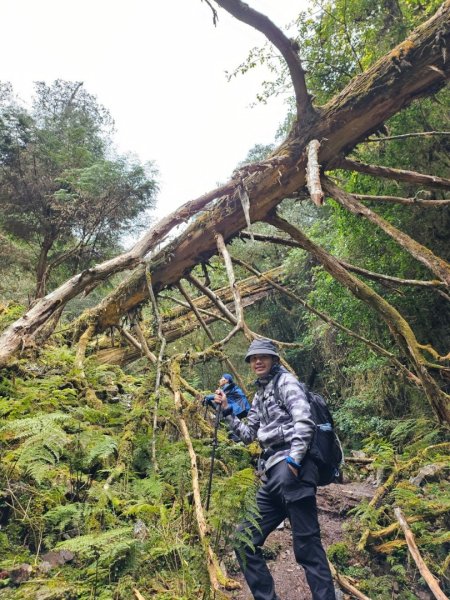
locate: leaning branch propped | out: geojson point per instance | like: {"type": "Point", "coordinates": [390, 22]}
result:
{"type": "Point", "coordinates": [436, 284]}
{"type": "Point", "coordinates": [288, 49]}
{"type": "Point", "coordinates": [327, 319]}
{"type": "Point", "coordinates": [406, 201]}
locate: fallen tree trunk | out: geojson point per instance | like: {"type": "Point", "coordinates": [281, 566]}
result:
{"type": "Point", "coordinates": [349, 118]}
{"type": "Point", "coordinates": [356, 112]}
{"type": "Point", "coordinates": [180, 322]}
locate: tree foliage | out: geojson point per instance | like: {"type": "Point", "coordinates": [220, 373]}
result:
{"type": "Point", "coordinates": [62, 188]}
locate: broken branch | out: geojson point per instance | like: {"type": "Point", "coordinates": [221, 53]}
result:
{"type": "Point", "coordinates": [313, 173]}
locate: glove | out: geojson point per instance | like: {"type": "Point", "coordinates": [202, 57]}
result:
{"type": "Point", "coordinates": [291, 461]}
{"type": "Point", "coordinates": [209, 401]}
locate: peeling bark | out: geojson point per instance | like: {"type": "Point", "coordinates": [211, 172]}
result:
{"type": "Point", "coordinates": [313, 173]}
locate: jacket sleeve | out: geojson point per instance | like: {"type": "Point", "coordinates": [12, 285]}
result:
{"type": "Point", "coordinates": [246, 431]}
{"type": "Point", "coordinates": [297, 404]}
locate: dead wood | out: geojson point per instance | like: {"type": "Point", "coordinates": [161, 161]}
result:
{"type": "Point", "coordinates": [288, 48]}
{"type": "Point", "coordinates": [179, 323]}
{"type": "Point", "coordinates": [434, 263]}
{"type": "Point", "coordinates": [345, 584]}
{"type": "Point", "coordinates": [313, 173]}
{"type": "Point", "coordinates": [327, 319]}
{"type": "Point", "coordinates": [396, 471]}
{"type": "Point", "coordinates": [404, 136]}
{"type": "Point", "coordinates": [431, 181]}
{"type": "Point", "coordinates": [350, 117]}
{"type": "Point", "coordinates": [407, 201]}
{"type": "Point", "coordinates": [414, 551]}
{"type": "Point", "coordinates": [218, 580]}
{"type": "Point", "coordinates": [209, 334]}
{"type": "Point", "coordinates": [397, 325]}
{"type": "Point", "coordinates": [276, 239]}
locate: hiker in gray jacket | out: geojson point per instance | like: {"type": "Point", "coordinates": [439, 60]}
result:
{"type": "Point", "coordinates": [289, 476]}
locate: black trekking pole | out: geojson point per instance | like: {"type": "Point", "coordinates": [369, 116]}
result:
{"type": "Point", "coordinates": [213, 454]}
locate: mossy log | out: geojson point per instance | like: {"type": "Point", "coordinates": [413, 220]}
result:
{"type": "Point", "coordinates": [179, 322]}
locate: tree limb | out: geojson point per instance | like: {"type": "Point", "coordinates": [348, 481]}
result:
{"type": "Point", "coordinates": [208, 332]}
{"type": "Point", "coordinates": [276, 239]}
{"type": "Point", "coordinates": [436, 265]}
{"type": "Point", "coordinates": [327, 319]}
{"type": "Point", "coordinates": [414, 550]}
{"type": "Point", "coordinates": [407, 135]}
{"type": "Point", "coordinates": [313, 173]}
{"type": "Point", "coordinates": [288, 49]}
{"type": "Point", "coordinates": [431, 181]}
{"type": "Point", "coordinates": [407, 201]}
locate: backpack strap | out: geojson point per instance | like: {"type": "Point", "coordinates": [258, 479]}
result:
{"type": "Point", "coordinates": [276, 391]}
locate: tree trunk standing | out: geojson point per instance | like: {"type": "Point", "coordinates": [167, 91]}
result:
{"type": "Point", "coordinates": [357, 111]}
{"type": "Point", "coordinates": [42, 267]}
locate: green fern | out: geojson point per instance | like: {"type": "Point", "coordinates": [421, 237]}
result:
{"type": "Point", "coordinates": [40, 423]}
{"type": "Point", "coordinates": [89, 545]}
{"type": "Point", "coordinates": [43, 447]}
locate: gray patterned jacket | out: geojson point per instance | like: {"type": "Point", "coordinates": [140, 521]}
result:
{"type": "Point", "coordinates": [273, 425]}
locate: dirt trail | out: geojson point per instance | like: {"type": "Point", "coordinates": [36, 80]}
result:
{"type": "Point", "coordinates": [334, 501]}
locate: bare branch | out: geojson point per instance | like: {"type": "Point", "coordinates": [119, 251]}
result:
{"type": "Point", "coordinates": [431, 181]}
{"type": "Point", "coordinates": [327, 319]}
{"type": "Point", "coordinates": [214, 12]}
{"type": "Point", "coordinates": [213, 297]}
{"type": "Point", "coordinates": [434, 283]}
{"type": "Point", "coordinates": [407, 135]}
{"type": "Point", "coordinates": [288, 49]}
{"type": "Point", "coordinates": [208, 332]}
{"type": "Point", "coordinates": [313, 173]}
{"type": "Point", "coordinates": [397, 325]}
{"type": "Point", "coordinates": [414, 550]}
{"type": "Point", "coordinates": [407, 201]}
{"type": "Point", "coordinates": [437, 265]}
{"type": "Point", "coordinates": [207, 313]}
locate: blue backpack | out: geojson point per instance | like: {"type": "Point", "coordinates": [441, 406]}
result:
{"type": "Point", "coordinates": [325, 448]}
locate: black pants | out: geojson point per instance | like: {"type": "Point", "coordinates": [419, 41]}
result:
{"type": "Point", "coordinates": [273, 506]}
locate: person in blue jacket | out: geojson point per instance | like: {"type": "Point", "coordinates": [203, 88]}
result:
{"type": "Point", "coordinates": [237, 400]}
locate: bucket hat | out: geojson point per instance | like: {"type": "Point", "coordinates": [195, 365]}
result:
{"type": "Point", "coordinates": [262, 346]}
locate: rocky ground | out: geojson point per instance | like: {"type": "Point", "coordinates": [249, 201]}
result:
{"type": "Point", "coordinates": [334, 501]}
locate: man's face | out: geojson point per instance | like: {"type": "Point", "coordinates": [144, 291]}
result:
{"type": "Point", "coordinates": [223, 381]}
{"type": "Point", "coordinates": [261, 364]}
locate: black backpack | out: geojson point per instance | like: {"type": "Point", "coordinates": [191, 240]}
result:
{"type": "Point", "coordinates": [325, 448]}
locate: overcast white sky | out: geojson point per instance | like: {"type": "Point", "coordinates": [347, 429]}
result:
{"type": "Point", "coordinates": [159, 67]}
